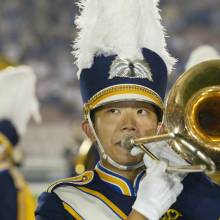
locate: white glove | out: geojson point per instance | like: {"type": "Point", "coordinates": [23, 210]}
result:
{"type": "Point", "coordinates": [157, 192]}
{"type": "Point", "coordinates": [163, 151]}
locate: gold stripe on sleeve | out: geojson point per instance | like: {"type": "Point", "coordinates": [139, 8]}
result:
{"type": "Point", "coordinates": [71, 211]}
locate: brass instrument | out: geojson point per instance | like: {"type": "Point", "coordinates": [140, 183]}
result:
{"type": "Point", "coordinates": [192, 117]}
{"type": "Point", "coordinates": [86, 158]}
{"type": "Point", "coordinates": [81, 158]}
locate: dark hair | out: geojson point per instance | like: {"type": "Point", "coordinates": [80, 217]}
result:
{"type": "Point", "coordinates": [159, 113]}
{"type": "Point", "coordinates": [92, 115]}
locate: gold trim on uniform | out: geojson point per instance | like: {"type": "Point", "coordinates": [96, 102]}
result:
{"type": "Point", "coordinates": [82, 179]}
{"type": "Point", "coordinates": [120, 90]}
{"type": "Point", "coordinates": [115, 181]}
{"type": "Point", "coordinates": [71, 211]}
{"type": "Point", "coordinates": [5, 142]}
{"type": "Point", "coordinates": [105, 200]}
{"type": "Point", "coordinates": [25, 201]}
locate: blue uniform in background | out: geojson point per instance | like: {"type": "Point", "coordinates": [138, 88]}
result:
{"type": "Point", "coordinates": [16, 201]}
{"type": "Point", "coordinates": [8, 195]}
{"type": "Point", "coordinates": [103, 194]}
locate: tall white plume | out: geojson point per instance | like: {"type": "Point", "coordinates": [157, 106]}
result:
{"type": "Point", "coordinates": [200, 54]}
{"type": "Point", "coordinates": [18, 100]}
{"type": "Point", "coordinates": [119, 27]}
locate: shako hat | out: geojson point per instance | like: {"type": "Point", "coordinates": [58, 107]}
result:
{"type": "Point", "coordinates": [121, 52]}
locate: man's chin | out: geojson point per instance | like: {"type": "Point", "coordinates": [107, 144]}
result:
{"type": "Point", "coordinates": [131, 161]}
{"type": "Point", "coordinates": [123, 156]}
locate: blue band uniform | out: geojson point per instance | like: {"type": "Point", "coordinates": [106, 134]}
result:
{"type": "Point", "coordinates": [16, 201]}
{"type": "Point", "coordinates": [103, 194]}
{"type": "Point", "coordinates": [8, 194]}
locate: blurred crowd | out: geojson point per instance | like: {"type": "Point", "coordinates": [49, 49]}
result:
{"type": "Point", "coordinates": [40, 33]}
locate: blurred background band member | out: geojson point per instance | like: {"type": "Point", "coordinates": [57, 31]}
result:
{"type": "Point", "coordinates": [200, 54]}
{"type": "Point", "coordinates": [18, 104]}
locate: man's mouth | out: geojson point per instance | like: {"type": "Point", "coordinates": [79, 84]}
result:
{"type": "Point", "coordinates": [124, 142]}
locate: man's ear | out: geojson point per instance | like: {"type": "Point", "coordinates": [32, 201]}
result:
{"type": "Point", "coordinates": [161, 128]}
{"type": "Point", "coordinates": [88, 130]}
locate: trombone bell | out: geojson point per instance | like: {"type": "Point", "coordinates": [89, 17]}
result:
{"type": "Point", "coordinates": [192, 117]}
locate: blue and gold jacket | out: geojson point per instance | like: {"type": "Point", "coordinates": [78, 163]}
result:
{"type": "Point", "coordinates": [8, 195]}
{"type": "Point", "coordinates": [16, 201]}
{"type": "Point", "coordinates": [103, 195]}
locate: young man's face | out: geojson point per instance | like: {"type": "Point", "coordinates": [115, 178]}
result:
{"type": "Point", "coordinates": [115, 121]}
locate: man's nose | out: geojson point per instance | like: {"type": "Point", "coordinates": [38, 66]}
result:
{"type": "Point", "coordinates": [128, 123]}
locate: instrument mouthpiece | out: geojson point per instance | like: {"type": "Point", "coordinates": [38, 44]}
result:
{"type": "Point", "coordinates": [127, 142]}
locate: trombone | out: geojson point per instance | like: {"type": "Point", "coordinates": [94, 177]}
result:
{"type": "Point", "coordinates": [192, 117]}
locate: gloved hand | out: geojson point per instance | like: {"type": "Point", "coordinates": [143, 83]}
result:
{"type": "Point", "coordinates": [157, 192]}
{"type": "Point", "coordinates": [163, 151]}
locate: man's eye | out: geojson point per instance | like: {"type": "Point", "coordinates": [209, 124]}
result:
{"type": "Point", "coordinates": [142, 111]}
{"type": "Point", "coordinates": [114, 111]}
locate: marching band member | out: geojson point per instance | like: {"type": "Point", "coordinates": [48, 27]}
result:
{"type": "Point", "coordinates": [123, 66]}
{"type": "Point", "coordinates": [18, 104]}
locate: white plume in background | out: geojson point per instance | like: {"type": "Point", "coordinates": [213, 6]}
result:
{"type": "Point", "coordinates": [200, 54]}
{"type": "Point", "coordinates": [119, 27]}
{"type": "Point", "coordinates": [18, 101]}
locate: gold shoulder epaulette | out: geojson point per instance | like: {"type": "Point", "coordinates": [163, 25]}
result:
{"type": "Point", "coordinates": [82, 179]}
